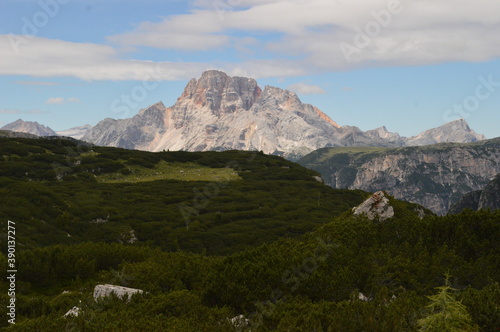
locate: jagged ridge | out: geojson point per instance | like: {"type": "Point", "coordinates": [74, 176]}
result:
{"type": "Point", "coordinates": [218, 112]}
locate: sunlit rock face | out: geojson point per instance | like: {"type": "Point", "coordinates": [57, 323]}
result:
{"type": "Point", "coordinates": [377, 207]}
{"type": "Point", "coordinates": [218, 112]}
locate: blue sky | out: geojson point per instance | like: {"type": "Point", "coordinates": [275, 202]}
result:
{"type": "Point", "coordinates": [408, 65]}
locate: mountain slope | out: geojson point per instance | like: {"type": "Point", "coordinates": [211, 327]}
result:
{"type": "Point", "coordinates": [433, 176]}
{"type": "Point", "coordinates": [75, 132]}
{"type": "Point", "coordinates": [487, 198]}
{"type": "Point", "coordinates": [63, 191]}
{"type": "Point", "coordinates": [29, 127]}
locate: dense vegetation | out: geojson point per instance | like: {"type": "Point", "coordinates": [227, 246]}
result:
{"type": "Point", "coordinates": [233, 258]}
{"type": "Point", "coordinates": [306, 284]}
{"type": "Point", "coordinates": [62, 191]}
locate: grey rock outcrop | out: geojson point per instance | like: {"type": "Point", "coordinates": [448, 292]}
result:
{"type": "Point", "coordinates": [121, 292]}
{"type": "Point", "coordinates": [433, 176]}
{"type": "Point", "coordinates": [376, 207]}
{"type": "Point", "coordinates": [73, 312]}
{"type": "Point", "coordinates": [29, 127]}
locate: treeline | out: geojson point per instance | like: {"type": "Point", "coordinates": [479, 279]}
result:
{"type": "Point", "coordinates": [350, 275]}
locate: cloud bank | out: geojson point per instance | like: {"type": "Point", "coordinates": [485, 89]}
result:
{"type": "Point", "coordinates": [308, 37]}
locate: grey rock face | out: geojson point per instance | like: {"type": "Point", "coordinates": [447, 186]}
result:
{"type": "Point", "coordinates": [76, 132]}
{"type": "Point", "coordinates": [455, 131]}
{"type": "Point", "coordinates": [218, 112]}
{"type": "Point", "coordinates": [488, 198]}
{"type": "Point", "coordinates": [468, 201]}
{"type": "Point", "coordinates": [29, 127]}
{"type": "Point", "coordinates": [433, 176]}
{"type": "Point", "coordinates": [375, 207]}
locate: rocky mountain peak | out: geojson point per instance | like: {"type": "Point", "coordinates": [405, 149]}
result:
{"type": "Point", "coordinates": [221, 93]}
{"type": "Point", "coordinates": [220, 112]}
{"type": "Point", "coordinates": [383, 133]}
{"type": "Point", "coordinates": [29, 127]}
{"type": "Point", "coordinates": [454, 131]}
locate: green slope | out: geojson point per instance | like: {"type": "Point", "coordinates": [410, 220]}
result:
{"type": "Point", "coordinates": [62, 191]}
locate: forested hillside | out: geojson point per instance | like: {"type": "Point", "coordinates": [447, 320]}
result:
{"type": "Point", "coordinates": [63, 191]}
{"type": "Point", "coordinates": [306, 284]}
{"type": "Point", "coordinates": [268, 248]}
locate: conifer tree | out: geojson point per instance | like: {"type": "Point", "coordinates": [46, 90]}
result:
{"type": "Point", "coordinates": [447, 314]}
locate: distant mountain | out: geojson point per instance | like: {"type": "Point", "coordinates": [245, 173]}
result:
{"type": "Point", "coordinates": [487, 198]}
{"type": "Point", "coordinates": [433, 176]}
{"type": "Point", "coordinates": [29, 127]}
{"type": "Point", "coordinates": [218, 112]}
{"type": "Point", "coordinates": [457, 131]}
{"type": "Point", "coordinates": [76, 132]}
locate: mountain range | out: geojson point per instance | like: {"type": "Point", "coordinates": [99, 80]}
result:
{"type": "Point", "coordinates": [218, 112]}
{"type": "Point", "coordinates": [434, 176]}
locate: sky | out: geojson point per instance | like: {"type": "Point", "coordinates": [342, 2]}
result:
{"type": "Point", "coordinates": [410, 65]}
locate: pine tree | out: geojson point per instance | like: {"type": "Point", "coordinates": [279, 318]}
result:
{"type": "Point", "coordinates": [446, 313]}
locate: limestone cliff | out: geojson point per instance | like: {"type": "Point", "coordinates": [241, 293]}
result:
{"type": "Point", "coordinates": [433, 176]}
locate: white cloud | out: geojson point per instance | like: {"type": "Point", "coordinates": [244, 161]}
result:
{"type": "Point", "coordinates": [37, 83]}
{"type": "Point", "coordinates": [401, 32]}
{"type": "Point", "coordinates": [61, 100]}
{"type": "Point", "coordinates": [42, 57]}
{"type": "Point", "coordinates": [308, 36]}
{"type": "Point", "coordinates": [192, 32]}
{"type": "Point", "coordinates": [306, 89]}
{"type": "Point", "coordinates": [55, 100]}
